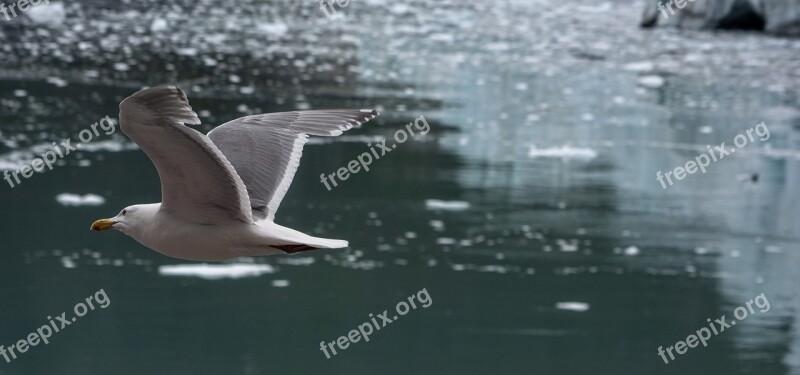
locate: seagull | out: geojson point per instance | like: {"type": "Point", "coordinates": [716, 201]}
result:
{"type": "Point", "coordinates": [220, 191]}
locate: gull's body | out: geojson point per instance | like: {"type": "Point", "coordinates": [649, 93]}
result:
{"type": "Point", "coordinates": [177, 238]}
{"type": "Point", "coordinates": [220, 192]}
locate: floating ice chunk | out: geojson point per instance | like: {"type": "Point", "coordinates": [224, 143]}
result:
{"type": "Point", "coordinates": [108, 146]}
{"type": "Point", "coordinates": [440, 37]}
{"type": "Point", "coordinates": [209, 61]}
{"type": "Point", "coordinates": [276, 29]}
{"type": "Point", "coordinates": [437, 225]}
{"type": "Point", "coordinates": [435, 204]}
{"type": "Point", "coordinates": [651, 81]}
{"type": "Point", "coordinates": [573, 306]}
{"type": "Point", "coordinates": [399, 9]}
{"type": "Point", "coordinates": [67, 199]}
{"type": "Point", "coordinates": [631, 251]}
{"type": "Point", "coordinates": [567, 247]}
{"type": "Point", "coordinates": [216, 271]}
{"type": "Point", "coordinates": [48, 13]}
{"type": "Point", "coordinates": [445, 241]}
{"type": "Point", "coordinates": [639, 66]}
{"type": "Point", "coordinates": [293, 261]}
{"type": "Point", "coordinates": [56, 81]}
{"type": "Point", "coordinates": [186, 51]}
{"type": "Point", "coordinates": [158, 24]}
{"type": "Point", "coordinates": [67, 262]}
{"type": "Point", "coordinates": [564, 152]}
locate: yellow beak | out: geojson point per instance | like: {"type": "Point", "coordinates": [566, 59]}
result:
{"type": "Point", "coordinates": [102, 224]}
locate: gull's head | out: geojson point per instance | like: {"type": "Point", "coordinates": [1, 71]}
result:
{"type": "Point", "coordinates": [127, 219]}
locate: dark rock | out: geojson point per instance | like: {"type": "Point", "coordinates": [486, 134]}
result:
{"type": "Point", "coordinates": [780, 17]}
{"type": "Point", "coordinates": [734, 15]}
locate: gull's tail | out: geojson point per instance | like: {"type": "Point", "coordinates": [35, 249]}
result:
{"type": "Point", "coordinates": [327, 243]}
{"type": "Point", "coordinates": [318, 243]}
{"type": "Point", "coordinates": [295, 241]}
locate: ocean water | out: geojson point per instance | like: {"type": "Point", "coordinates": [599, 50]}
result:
{"type": "Point", "coordinates": [529, 219]}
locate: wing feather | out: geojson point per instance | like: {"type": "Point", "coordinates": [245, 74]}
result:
{"type": "Point", "coordinates": [198, 184]}
{"type": "Point", "coordinates": [265, 149]}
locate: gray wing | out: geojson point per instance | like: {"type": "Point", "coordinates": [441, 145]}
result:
{"type": "Point", "coordinates": [197, 183]}
{"type": "Point", "coordinates": [265, 149]}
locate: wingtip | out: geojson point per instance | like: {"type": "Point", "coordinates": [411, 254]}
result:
{"type": "Point", "coordinates": [163, 97]}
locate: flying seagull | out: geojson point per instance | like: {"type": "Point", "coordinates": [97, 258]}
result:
{"type": "Point", "coordinates": [220, 192]}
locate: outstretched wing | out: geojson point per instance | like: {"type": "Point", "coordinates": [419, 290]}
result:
{"type": "Point", "coordinates": [265, 149]}
{"type": "Point", "coordinates": [197, 183]}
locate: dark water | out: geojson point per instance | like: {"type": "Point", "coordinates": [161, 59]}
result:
{"type": "Point", "coordinates": [530, 213]}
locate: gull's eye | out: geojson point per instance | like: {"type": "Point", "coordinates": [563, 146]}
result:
{"type": "Point", "coordinates": [124, 212]}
